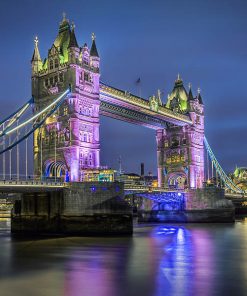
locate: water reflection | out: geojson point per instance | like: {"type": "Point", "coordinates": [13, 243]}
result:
{"type": "Point", "coordinates": [158, 260]}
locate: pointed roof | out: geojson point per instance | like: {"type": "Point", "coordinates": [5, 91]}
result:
{"type": "Point", "coordinates": [190, 96]}
{"type": "Point", "coordinates": [199, 98]}
{"type": "Point", "coordinates": [72, 40]}
{"type": "Point", "coordinates": [93, 50]}
{"type": "Point", "coordinates": [36, 55]}
{"type": "Point", "coordinates": [63, 38]}
{"type": "Point", "coordinates": [179, 93]}
{"type": "Point", "coordinates": [64, 25]}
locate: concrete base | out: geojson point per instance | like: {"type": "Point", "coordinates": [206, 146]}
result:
{"type": "Point", "coordinates": [190, 216]}
{"type": "Point", "coordinates": [195, 205]}
{"type": "Point", "coordinates": [95, 208]}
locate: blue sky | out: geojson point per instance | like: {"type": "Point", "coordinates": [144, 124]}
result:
{"type": "Point", "coordinates": [205, 41]}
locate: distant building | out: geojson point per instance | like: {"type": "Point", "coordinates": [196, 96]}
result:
{"type": "Point", "coordinates": [102, 175]}
{"type": "Point", "coordinates": [239, 177]}
{"type": "Point", "coordinates": [133, 179]}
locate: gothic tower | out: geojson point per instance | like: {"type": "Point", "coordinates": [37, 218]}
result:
{"type": "Point", "coordinates": [180, 149]}
{"type": "Point", "coordinates": [68, 143]}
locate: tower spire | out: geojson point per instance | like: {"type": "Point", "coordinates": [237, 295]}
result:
{"type": "Point", "coordinates": [93, 50]}
{"type": "Point", "coordinates": [190, 96]}
{"type": "Point", "coordinates": [199, 96]}
{"type": "Point", "coordinates": [72, 40]}
{"type": "Point", "coordinates": [36, 55]}
{"type": "Point", "coordinates": [36, 59]}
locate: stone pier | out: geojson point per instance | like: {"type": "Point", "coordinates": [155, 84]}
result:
{"type": "Point", "coordinates": [195, 205]}
{"type": "Point", "coordinates": [93, 208]}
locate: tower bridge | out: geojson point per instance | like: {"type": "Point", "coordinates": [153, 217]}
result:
{"type": "Point", "coordinates": [65, 121]}
{"type": "Point", "coordinates": [63, 117]}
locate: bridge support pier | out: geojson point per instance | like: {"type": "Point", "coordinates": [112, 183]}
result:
{"type": "Point", "coordinates": [94, 208]}
{"type": "Point", "coordinates": [195, 205]}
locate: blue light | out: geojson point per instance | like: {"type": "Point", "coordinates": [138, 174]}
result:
{"type": "Point", "coordinates": [93, 188]}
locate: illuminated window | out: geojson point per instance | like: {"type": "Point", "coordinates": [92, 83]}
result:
{"type": "Point", "coordinates": [198, 119]}
{"type": "Point", "coordinates": [65, 110]}
{"type": "Point", "coordinates": [166, 144]}
{"type": "Point", "coordinates": [198, 158]}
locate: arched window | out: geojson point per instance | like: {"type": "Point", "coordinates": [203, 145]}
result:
{"type": "Point", "coordinates": [51, 64]}
{"type": "Point", "coordinates": [86, 77]}
{"type": "Point", "coordinates": [56, 63]}
{"type": "Point", "coordinates": [85, 137]}
{"type": "Point", "coordinates": [65, 110]}
{"type": "Point", "coordinates": [61, 77]}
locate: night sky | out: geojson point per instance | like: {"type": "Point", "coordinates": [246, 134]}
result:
{"type": "Point", "coordinates": [205, 41]}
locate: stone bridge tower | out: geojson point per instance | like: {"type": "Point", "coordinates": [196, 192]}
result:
{"type": "Point", "coordinates": [180, 149]}
{"type": "Point", "coordinates": [69, 141]}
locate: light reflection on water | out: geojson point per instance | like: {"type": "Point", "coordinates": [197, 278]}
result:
{"type": "Point", "coordinates": [192, 259]}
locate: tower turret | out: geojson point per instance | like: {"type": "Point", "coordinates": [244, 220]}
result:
{"type": "Point", "coordinates": [190, 96]}
{"type": "Point", "coordinates": [36, 59]}
{"type": "Point", "coordinates": [199, 97]}
{"type": "Point", "coordinates": [73, 48]}
{"type": "Point", "coordinates": [94, 56]}
{"type": "Point", "coordinates": [178, 99]}
{"type": "Point", "coordinates": [74, 130]}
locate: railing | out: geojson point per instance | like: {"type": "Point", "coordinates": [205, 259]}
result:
{"type": "Point", "coordinates": [151, 189]}
{"type": "Point", "coordinates": [31, 183]}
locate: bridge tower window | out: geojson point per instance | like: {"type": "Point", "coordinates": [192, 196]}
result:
{"type": "Point", "coordinates": [51, 65]}
{"type": "Point", "coordinates": [61, 77]}
{"type": "Point", "coordinates": [86, 77]}
{"type": "Point", "coordinates": [65, 110]}
{"type": "Point", "coordinates": [56, 63]}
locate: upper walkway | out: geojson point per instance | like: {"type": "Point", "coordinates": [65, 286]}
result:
{"type": "Point", "coordinates": [125, 106]}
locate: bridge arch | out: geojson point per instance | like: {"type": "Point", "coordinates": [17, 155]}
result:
{"type": "Point", "coordinates": [56, 169]}
{"type": "Point", "coordinates": [177, 180]}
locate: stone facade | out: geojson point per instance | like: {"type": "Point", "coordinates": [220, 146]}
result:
{"type": "Point", "coordinates": [180, 149]}
{"type": "Point", "coordinates": [93, 208]}
{"type": "Point", "coordinates": [73, 131]}
{"type": "Point", "coordinates": [196, 205]}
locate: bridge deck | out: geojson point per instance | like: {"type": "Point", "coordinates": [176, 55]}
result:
{"type": "Point", "coordinates": [125, 106]}
{"type": "Point", "coordinates": [10, 186]}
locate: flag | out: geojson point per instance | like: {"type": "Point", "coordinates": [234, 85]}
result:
{"type": "Point", "coordinates": [138, 80]}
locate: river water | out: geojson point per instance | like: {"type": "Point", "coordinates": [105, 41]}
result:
{"type": "Point", "coordinates": [169, 259]}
